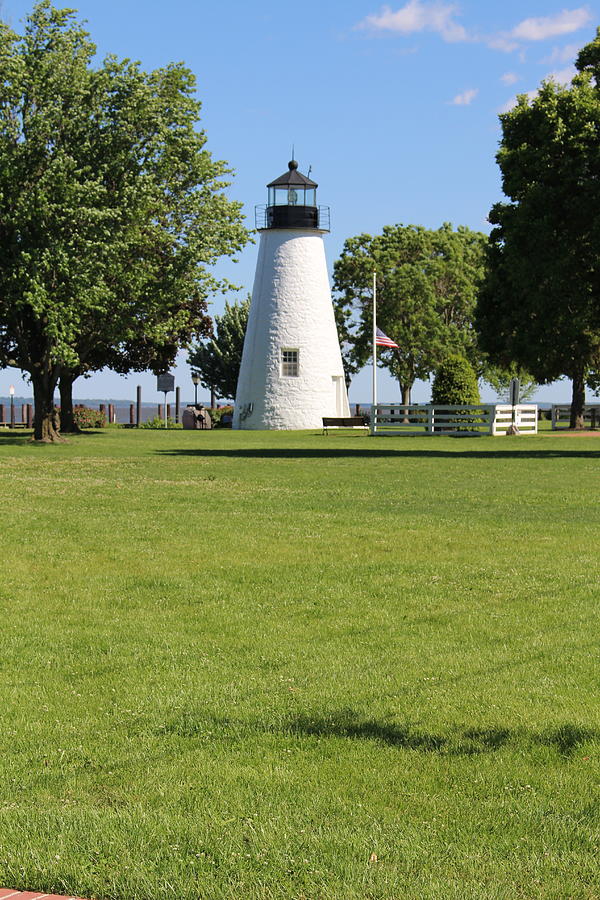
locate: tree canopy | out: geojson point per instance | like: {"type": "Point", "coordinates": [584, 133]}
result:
{"type": "Point", "coordinates": [217, 360]}
{"type": "Point", "coordinates": [540, 306]}
{"type": "Point", "coordinates": [111, 209]}
{"type": "Point", "coordinates": [427, 284]}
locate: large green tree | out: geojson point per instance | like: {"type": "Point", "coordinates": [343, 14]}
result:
{"type": "Point", "coordinates": [217, 360]}
{"type": "Point", "coordinates": [427, 284]}
{"type": "Point", "coordinates": [540, 307]}
{"type": "Point", "coordinates": [111, 209]}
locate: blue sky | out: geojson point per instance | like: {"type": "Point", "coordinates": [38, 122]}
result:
{"type": "Point", "coordinates": [394, 106]}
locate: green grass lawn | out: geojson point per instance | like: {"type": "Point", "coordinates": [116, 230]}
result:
{"type": "Point", "coordinates": [282, 665]}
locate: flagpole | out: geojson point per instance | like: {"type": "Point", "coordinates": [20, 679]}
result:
{"type": "Point", "coordinates": [374, 393]}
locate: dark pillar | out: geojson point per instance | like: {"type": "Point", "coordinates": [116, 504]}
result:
{"type": "Point", "coordinates": [132, 414]}
{"type": "Point", "coordinates": [2, 419]}
{"type": "Point", "coordinates": [168, 410]}
{"type": "Point", "coordinates": [30, 415]}
{"type": "Point", "coordinates": [177, 403]}
{"type": "Point", "coordinates": [138, 411]}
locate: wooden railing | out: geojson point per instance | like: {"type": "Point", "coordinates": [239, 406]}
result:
{"type": "Point", "coordinates": [483, 418]}
{"type": "Point", "coordinates": [561, 415]}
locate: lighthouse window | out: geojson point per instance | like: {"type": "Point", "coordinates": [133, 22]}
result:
{"type": "Point", "coordinates": [289, 363]}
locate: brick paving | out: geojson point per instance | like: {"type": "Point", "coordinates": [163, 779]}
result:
{"type": "Point", "coordinates": [5, 893]}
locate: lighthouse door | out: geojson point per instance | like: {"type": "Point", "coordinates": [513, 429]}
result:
{"type": "Point", "coordinates": [338, 387]}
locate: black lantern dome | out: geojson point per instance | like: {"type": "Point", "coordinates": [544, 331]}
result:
{"type": "Point", "coordinates": [292, 202]}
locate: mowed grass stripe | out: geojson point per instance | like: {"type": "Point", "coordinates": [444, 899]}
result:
{"type": "Point", "coordinates": [281, 665]}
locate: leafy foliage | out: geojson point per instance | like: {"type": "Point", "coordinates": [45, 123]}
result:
{"type": "Point", "coordinates": [159, 422]}
{"type": "Point", "coordinates": [217, 414]}
{"type": "Point", "coordinates": [499, 380]}
{"type": "Point", "coordinates": [218, 359]}
{"type": "Point", "coordinates": [85, 417]}
{"type": "Point", "coordinates": [455, 383]}
{"type": "Point", "coordinates": [540, 306]}
{"type": "Point", "coordinates": [111, 209]}
{"type": "Point", "coordinates": [427, 284]}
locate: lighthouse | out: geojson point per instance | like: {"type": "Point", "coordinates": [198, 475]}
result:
{"type": "Point", "coordinates": [291, 374]}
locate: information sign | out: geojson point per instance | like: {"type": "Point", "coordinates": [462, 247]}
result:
{"type": "Point", "coordinates": [165, 383]}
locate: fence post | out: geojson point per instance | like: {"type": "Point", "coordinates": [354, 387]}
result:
{"type": "Point", "coordinates": [553, 417]}
{"type": "Point", "coordinates": [430, 419]}
{"type": "Point", "coordinates": [177, 403]}
{"type": "Point", "coordinates": [138, 410]}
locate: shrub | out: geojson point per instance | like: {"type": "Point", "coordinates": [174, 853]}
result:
{"type": "Point", "coordinates": [455, 383]}
{"type": "Point", "coordinates": [216, 414]}
{"type": "Point", "coordinates": [85, 417]}
{"type": "Point", "coordinates": [158, 422]}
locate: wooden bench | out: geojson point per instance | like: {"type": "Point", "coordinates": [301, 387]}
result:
{"type": "Point", "coordinates": [343, 422]}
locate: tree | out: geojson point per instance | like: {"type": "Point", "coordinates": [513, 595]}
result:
{"type": "Point", "coordinates": [111, 209]}
{"type": "Point", "coordinates": [217, 361]}
{"type": "Point", "coordinates": [540, 306]}
{"type": "Point", "coordinates": [427, 283]}
{"type": "Point", "coordinates": [455, 383]}
{"type": "Point", "coordinates": [499, 380]}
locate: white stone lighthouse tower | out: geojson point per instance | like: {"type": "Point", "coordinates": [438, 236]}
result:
{"type": "Point", "coordinates": [291, 373]}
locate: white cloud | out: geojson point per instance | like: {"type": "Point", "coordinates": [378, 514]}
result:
{"type": "Point", "coordinates": [545, 27]}
{"type": "Point", "coordinates": [509, 78]}
{"type": "Point", "coordinates": [501, 42]}
{"type": "Point", "coordinates": [466, 98]}
{"type": "Point", "coordinates": [510, 104]}
{"type": "Point", "coordinates": [561, 54]}
{"type": "Point", "coordinates": [562, 76]}
{"type": "Point", "coordinates": [416, 16]}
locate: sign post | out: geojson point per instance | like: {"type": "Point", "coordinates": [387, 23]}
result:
{"type": "Point", "coordinates": [165, 383]}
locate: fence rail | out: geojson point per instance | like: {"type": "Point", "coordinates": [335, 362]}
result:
{"type": "Point", "coordinates": [484, 418]}
{"type": "Point", "coordinates": [561, 415]}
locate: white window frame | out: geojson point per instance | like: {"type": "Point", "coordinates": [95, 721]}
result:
{"type": "Point", "coordinates": [290, 367]}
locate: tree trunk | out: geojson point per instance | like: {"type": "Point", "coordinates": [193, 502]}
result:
{"type": "Point", "coordinates": [405, 391]}
{"type": "Point", "coordinates": [46, 421]}
{"type": "Point", "coordinates": [67, 420]}
{"type": "Point", "coordinates": [577, 420]}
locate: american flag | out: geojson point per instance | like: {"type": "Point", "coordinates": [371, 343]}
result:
{"type": "Point", "coordinates": [382, 340]}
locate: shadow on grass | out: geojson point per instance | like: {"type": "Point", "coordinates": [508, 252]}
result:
{"type": "Point", "coordinates": [376, 453]}
{"type": "Point", "coordinates": [14, 437]}
{"type": "Point", "coordinates": [19, 438]}
{"type": "Point", "coordinates": [456, 741]}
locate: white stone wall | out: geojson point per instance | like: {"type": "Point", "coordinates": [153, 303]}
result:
{"type": "Point", "coordinates": [291, 308]}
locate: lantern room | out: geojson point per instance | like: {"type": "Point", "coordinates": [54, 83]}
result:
{"type": "Point", "coordinates": [292, 203]}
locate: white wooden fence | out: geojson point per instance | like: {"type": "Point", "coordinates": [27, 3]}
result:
{"type": "Point", "coordinates": [485, 418]}
{"type": "Point", "coordinates": [561, 415]}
